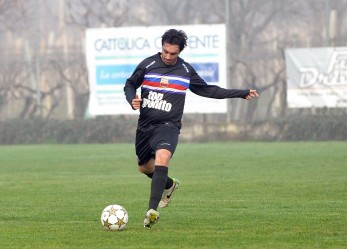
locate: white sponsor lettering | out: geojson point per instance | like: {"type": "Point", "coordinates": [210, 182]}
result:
{"type": "Point", "coordinates": [155, 101]}
{"type": "Point", "coordinates": [336, 74]}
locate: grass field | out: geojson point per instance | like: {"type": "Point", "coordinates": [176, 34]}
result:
{"type": "Point", "coordinates": [232, 195]}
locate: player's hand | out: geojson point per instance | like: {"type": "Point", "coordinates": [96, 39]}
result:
{"type": "Point", "coordinates": [136, 102]}
{"type": "Point", "coordinates": [252, 94]}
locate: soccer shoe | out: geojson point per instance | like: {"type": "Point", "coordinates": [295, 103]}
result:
{"type": "Point", "coordinates": [167, 195]}
{"type": "Point", "coordinates": [151, 218]}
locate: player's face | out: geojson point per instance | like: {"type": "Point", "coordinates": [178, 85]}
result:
{"type": "Point", "coordinates": [170, 53]}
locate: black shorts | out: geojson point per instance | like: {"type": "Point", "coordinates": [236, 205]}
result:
{"type": "Point", "coordinates": [161, 137]}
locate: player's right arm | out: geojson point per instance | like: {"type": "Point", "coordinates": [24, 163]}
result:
{"type": "Point", "coordinates": [131, 86]}
{"type": "Point", "coordinates": [136, 102]}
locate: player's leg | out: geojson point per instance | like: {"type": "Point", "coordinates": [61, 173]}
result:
{"type": "Point", "coordinates": [157, 170]}
{"type": "Point", "coordinates": [148, 170]}
{"type": "Point", "coordinates": [167, 142]}
{"type": "Point", "coordinates": [166, 137]}
{"type": "Point", "coordinates": [163, 142]}
{"type": "Point", "coordinates": [152, 215]}
{"type": "Point", "coordinates": [160, 176]}
{"type": "Point", "coordinates": [159, 179]}
{"type": "Point", "coordinates": [145, 158]}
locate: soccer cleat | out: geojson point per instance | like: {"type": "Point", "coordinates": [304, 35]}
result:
{"type": "Point", "coordinates": [166, 198]}
{"type": "Point", "coordinates": [151, 218]}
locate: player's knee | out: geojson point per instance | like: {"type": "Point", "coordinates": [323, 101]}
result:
{"type": "Point", "coordinates": [147, 168]}
{"type": "Point", "coordinates": [141, 169]}
{"type": "Point", "coordinates": [162, 157]}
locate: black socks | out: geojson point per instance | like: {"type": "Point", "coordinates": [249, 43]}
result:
{"type": "Point", "coordinates": [150, 175]}
{"type": "Point", "coordinates": [159, 180]}
{"type": "Point", "coordinates": [169, 182]}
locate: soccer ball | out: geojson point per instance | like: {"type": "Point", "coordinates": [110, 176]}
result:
{"type": "Point", "coordinates": [114, 217]}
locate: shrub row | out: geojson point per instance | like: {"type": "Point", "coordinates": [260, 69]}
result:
{"type": "Point", "coordinates": [122, 129]}
{"type": "Point", "coordinates": [303, 128]}
{"type": "Point", "coordinates": [98, 130]}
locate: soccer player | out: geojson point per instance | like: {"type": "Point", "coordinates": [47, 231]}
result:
{"type": "Point", "coordinates": [164, 79]}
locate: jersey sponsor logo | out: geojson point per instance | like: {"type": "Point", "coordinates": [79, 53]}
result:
{"type": "Point", "coordinates": [155, 101]}
{"type": "Point", "coordinates": [164, 82]}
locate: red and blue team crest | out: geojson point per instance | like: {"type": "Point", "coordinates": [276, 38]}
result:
{"type": "Point", "coordinates": [164, 82]}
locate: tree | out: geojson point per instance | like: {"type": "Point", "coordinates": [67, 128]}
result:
{"type": "Point", "coordinates": [45, 40]}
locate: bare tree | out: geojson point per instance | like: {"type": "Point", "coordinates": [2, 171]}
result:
{"type": "Point", "coordinates": [13, 22]}
{"type": "Point", "coordinates": [90, 14]}
{"type": "Point", "coordinates": [45, 39]}
{"type": "Point", "coordinates": [255, 56]}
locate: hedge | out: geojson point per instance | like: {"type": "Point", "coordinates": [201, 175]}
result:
{"type": "Point", "coordinates": [122, 129]}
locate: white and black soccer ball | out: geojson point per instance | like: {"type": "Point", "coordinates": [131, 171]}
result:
{"type": "Point", "coordinates": [114, 217]}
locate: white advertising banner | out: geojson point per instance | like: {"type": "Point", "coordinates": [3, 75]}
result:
{"type": "Point", "coordinates": [113, 53]}
{"type": "Point", "coordinates": [316, 77]}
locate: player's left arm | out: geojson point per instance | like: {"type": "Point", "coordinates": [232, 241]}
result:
{"type": "Point", "coordinates": [200, 87]}
{"type": "Point", "coordinates": [252, 94]}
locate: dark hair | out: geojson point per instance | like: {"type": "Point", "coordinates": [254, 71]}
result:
{"type": "Point", "coordinates": [175, 37]}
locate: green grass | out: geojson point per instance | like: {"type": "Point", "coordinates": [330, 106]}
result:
{"type": "Point", "coordinates": [232, 195]}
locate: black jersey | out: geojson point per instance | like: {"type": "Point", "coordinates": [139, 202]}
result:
{"type": "Point", "coordinates": [163, 90]}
